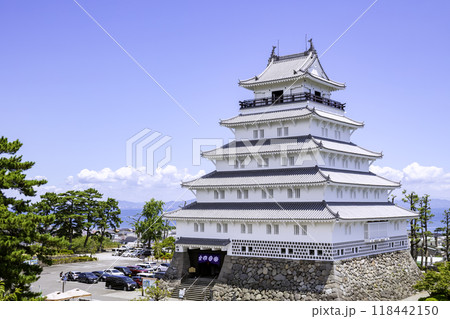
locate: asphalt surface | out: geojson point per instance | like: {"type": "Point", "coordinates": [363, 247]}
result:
{"type": "Point", "coordinates": [49, 280]}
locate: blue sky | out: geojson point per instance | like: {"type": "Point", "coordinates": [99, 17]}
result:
{"type": "Point", "coordinates": [73, 97]}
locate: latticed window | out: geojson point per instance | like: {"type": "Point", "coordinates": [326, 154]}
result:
{"type": "Point", "coordinates": [242, 228]}
{"type": "Point", "coordinates": [245, 193]}
{"type": "Point", "coordinates": [225, 228]}
{"type": "Point", "coordinates": [289, 193]}
{"type": "Point", "coordinates": [268, 229]}
{"type": "Point", "coordinates": [276, 229]}
{"type": "Point", "coordinates": [296, 230]}
{"type": "Point", "coordinates": [249, 229]}
{"type": "Point", "coordinates": [195, 227]}
{"type": "Point", "coordinates": [219, 227]}
{"type": "Point", "coordinates": [202, 227]}
{"type": "Point", "coordinates": [297, 193]}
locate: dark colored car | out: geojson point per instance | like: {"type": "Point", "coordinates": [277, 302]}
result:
{"type": "Point", "coordinates": [145, 253]}
{"type": "Point", "coordinates": [136, 270]}
{"type": "Point", "coordinates": [101, 275]}
{"type": "Point", "coordinates": [87, 277]}
{"type": "Point", "coordinates": [159, 274]}
{"type": "Point", "coordinates": [137, 280]}
{"type": "Point", "coordinates": [125, 270]}
{"type": "Point", "coordinates": [120, 282]}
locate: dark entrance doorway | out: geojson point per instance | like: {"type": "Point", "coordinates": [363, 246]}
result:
{"type": "Point", "coordinates": [207, 263]}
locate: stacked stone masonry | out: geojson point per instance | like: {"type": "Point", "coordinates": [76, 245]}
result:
{"type": "Point", "coordinates": [388, 276]}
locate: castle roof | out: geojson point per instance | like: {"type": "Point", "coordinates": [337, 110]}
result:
{"type": "Point", "coordinates": [305, 65]}
{"type": "Point", "coordinates": [290, 211]}
{"type": "Point", "coordinates": [288, 145]}
{"type": "Point", "coordinates": [288, 115]}
{"type": "Point", "coordinates": [287, 177]}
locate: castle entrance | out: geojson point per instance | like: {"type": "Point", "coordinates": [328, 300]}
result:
{"type": "Point", "coordinates": [206, 262]}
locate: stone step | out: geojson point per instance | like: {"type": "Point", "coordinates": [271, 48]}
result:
{"type": "Point", "coordinates": [195, 290]}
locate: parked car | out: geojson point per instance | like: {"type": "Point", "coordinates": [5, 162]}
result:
{"type": "Point", "coordinates": [125, 270]}
{"type": "Point", "coordinates": [159, 274]}
{"type": "Point", "coordinates": [137, 280]}
{"type": "Point", "coordinates": [137, 269]}
{"type": "Point", "coordinates": [145, 253]}
{"type": "Point", "coordinates": [163, 267]}
{"type": "Point", "coordinates": [113, 272]}
{"type": "Point", "coordinates": [120, 282]}
{"type": "Point", "coordinates": [87, 277]}
{"type": "Point", "coordinates": [149, 266]}
{"type": "Point", "coordinates": [72, 275]}
{"type": "Point", "coordinates": [101, 275]}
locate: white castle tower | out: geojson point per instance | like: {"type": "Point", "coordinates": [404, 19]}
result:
{"type": "Point", "coordinates": [292, 185]}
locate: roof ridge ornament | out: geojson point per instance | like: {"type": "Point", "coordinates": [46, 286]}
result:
{"type": "Point", "coordinates": [272, 55]}
{"type": "Point", "coordinates": [311, 45]}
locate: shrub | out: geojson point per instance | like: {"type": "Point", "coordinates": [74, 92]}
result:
{"type": "Point", "coordinates": [436, 283]}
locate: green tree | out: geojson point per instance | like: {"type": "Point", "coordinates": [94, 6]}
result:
{"type": "Point", "coordinates": [107, 217]}
{"type": "Point", "coordinates": [69, 216]}
{"type": "Point", "coordinates": [413, 199]}
{"type": "Point", "coordinates": [425, 216]}
{"type": "Point", "coordinates": [149, 225]}
{"type": "Point", "coordinates": [445, 231]}
{"type": "Point", "coordinates": [436, 282]}
{"type": "Point", "coordinates": [90, 211]}
{"type": "Point", "coordinates": [47, 206]}
{"type": "Point", "coordinates": [155, 293]}
{"type": "Point", "coordinates": [20, 239]}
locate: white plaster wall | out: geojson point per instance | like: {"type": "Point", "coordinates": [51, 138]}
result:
{"type": "Point", "coordinates": [317, 232]}
{"type": "Point", "coordinates": [307, 194]}
{"type": "Point", "coordinates": [297, 128]}
{"type": "Point", "coordinates": [331, 194]}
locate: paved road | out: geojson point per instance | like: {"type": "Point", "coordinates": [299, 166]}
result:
{"type": "Point", "coordinates": [50, 282]}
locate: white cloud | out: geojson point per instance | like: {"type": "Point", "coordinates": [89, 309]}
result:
{"type": "Point", "coordinates": [430, 180]}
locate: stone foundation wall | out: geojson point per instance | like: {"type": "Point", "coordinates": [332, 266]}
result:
{"type": "Point", "coordinates": [388, 276]}
{"type": "Point", "coordinates": [178, 266]}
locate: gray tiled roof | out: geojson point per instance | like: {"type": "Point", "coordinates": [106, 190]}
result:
{"type": "Point", "coordinates": [256, 178]}
{"type": "Point", "coordinates": [276, 116]}
{"type": "Point", "coordinates": [202, 241]}
{"type": "Point", "coordinates": [292, 211]}
{"type": "Point", "coordinates": [293, 144]}
{"type": "Point", "coordinates": [287, 177]}
{"type": "Point", "coordinates": [253, 211]}
{"type": "Point", "coordinates": [292, 67]}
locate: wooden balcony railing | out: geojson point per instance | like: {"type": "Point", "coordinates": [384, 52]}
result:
{"type": "Point", "coordinates": [293, 98]}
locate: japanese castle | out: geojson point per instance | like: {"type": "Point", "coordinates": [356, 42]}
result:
{"type": "Point", "coordinates": [291, 185]}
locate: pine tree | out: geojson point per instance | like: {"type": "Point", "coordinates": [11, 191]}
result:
{"type": "Point", "coordinates": [107, 217]}
{"type": "Point", "coordinates": [425, 216]}
{"type": "Point", "coordinates": [445, 231]}
{"type": "Point", "coordinates": [413, 199]}
{"type": "Point", "coordinates": [149, 224]}
{"type": "Point", "coordinates": [20, 239]}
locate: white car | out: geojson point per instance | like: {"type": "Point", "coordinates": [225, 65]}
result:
{"type": "Point", "coordinates": [113, 272]}
{"type": "Point", "coordinates": [151, 266]}
{"type": "Point", "coordinates": [163, 267]}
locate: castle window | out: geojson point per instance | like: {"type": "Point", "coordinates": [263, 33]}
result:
{"type": "Point", "coordinates": [337, 135]}
{"type": "Point", "coordinates": [319, 252]}
{"type": "Point", "coordinates": [377, 195]}
{"type": "Point", "coordinates": [263, 162]}
{"type": "Point", "coordinates": [245, 193]}
{"type": "Point", "coordinates": [239, 164]}
{"type": "Point", "coordinates": [297, 193]}
{"type": "Point", "coordinates": [345, 163]}
{"type": "Point", "coordinates": [291, 160]}
{"type": "Point", "coordinates": [290, 251]}
{"type": "Point", "coordinates": [268, 229]}
{"type": "Point", "coordinates": [353, 194]}
{"type": "Point", "coordinates": [348, 229]}
{"type": "Point", "coordinates": [219, 228]}
{"type": "Point", "coordinates": [243, 249]}
{"type": "Point", "coordinates": [250, 249]}
{"type": "Point", "coordinates": [242, 228]}
{"type": "Point", "coordinates": [255, 133]}
{"type": "Point", "coordinates": [263, 194]}
{"type": "Point", "coordinates": [284, 161]}
{"type": "Point", "coordinates": [202, 227]}
{"type": "Point", "coordinates": [339, 193]}
{"type": "Point", "coordinates": [195, 227]}
{"type": "Point", "coordinates": [249, 228]}
{"type": "Point", "coordinates": [239, 194]}
{"type": "Point", "coordinates": [312, 252]}
{"type": "Point", "coordinates": [282, 131]}
{"type": "Point", "coordinates": [261, 133]}
{"type": "Point", "coordinates": [283, 250]}
{"type": "Point", "coordinates": [276, 229]}
{"type": "Point", "coordinates": [225, 228]}
{"type": "Point", "coordinates": [357, 165]}
{"type": "Point", "coordinates": [279, 131]}
{"type": "Point", "coordinates": [289, 193]}
{"type": "Point", "coordinates": [317, 93]}
{"type": "Point", "coordinates": [222, 194]}
{"type": "Point", "coordinates": [365, 194]}
{"type": "Point", "coordinates": [304, 230]}
{"type": "Point", "coordinates": [296, 230]}
{"type": "Point", "coordinates": [286, 131]}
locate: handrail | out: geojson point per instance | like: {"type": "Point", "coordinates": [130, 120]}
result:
{"type": "Point", "coordinates": [204, 289]}
{"type": "Point", "coordinates": [192, 284]}
{"type": "Point", "coordinates": [291, 98]}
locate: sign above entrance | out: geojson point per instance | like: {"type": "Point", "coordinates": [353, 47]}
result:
{"type": "Point", "coordinates": [209, 258]}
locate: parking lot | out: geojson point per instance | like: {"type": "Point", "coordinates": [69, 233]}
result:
{"type": "Point", "coordinates": [50, 281]}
